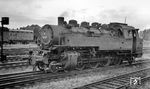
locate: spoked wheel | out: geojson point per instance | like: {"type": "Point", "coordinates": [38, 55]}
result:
{"type": "Point", "coordinates": [105, 62]}
{"type": "Point", "coordinates": [53, 67]}
{"type": "Point", "coordinates": [118, 61]}
{"type": "Point", "coordinates": [36, 68]}
{"type": "Point", "coordinates": [41, 66]}
{"type": "Point", "coordinates": [80, 66]}
{"type": "Point", "coordinates": [94, 65]}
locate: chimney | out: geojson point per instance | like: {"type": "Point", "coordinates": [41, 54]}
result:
{"type": "Point", "coordinates": [60, 21]}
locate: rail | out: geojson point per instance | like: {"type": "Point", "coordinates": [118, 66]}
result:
{"type": "Point", "coordinates": [118, 82]}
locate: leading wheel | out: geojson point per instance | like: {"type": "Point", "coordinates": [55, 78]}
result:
{"type": "Point", "coordinates": [53, 67]}
{"type": "Point", "coordinates": [41, 66]}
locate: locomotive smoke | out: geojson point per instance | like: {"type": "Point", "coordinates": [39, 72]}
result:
{"type": "Point", "coordinates": [64, 14]}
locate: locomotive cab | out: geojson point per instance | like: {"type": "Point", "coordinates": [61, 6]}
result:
{"type": "Point", "coordinates": [137, 45]}
{"type": "Point", "coordinates": [130, 36]}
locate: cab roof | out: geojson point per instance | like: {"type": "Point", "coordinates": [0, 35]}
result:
{"type": "Point", "coordinates": [122, 25]}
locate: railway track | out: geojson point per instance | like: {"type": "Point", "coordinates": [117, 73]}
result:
{"type": "Point", "coordinates": [124, 81]}
{"type": "Point", "coordinates": [17, 78]}
{"type": "Point", "coordinates": [25, 78]}
{"type": "Point", "coordinates": [13, 64]}
{"type": "Point", "coordinates": [18, 52]}
{"type": "Point", "coordinates": [12, 58]}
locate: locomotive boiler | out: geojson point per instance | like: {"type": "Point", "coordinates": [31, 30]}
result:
{"type": "Point", "coordinates": [72, 45]}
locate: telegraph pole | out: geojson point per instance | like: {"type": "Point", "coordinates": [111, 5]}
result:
{"type": "Point", "coordinates": [5, 21]}
{"type": "Point", "coordinates": [1, 42]}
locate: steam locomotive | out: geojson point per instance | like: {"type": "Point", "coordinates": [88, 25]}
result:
{"type": "Point", "coordinates": [73, 46]}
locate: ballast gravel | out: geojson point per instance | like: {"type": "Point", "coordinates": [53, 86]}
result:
{"type": "Point", "coordinates": [84, 78]}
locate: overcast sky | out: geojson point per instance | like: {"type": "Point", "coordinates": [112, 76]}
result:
{"type": "Point", "coordinates": [27, 12]}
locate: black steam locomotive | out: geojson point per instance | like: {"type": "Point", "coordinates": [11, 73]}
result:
{"type": "Point", "coordinates": [68, 46]}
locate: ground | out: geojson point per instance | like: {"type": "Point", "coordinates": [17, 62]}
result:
{"type": "Point", "coordinates": [81, 79]}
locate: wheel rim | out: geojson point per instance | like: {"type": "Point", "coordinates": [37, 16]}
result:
{"type": "Point", "coordinates": [119, 61]}
{"type": "Point", "coordinates": [41, 66]}
{"type": "Point", "coordinates": [105, 62]}
{"type": "Point", "coordinates": [94, 65]}
{"type": "Point", "coordinates": [53, 67]}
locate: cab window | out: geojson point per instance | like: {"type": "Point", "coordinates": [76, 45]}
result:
{"type": "Point", "coordinates": [128, 34]}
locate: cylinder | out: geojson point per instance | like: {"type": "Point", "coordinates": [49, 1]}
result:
{"type": "Point", "coordinates": [60, 21]}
